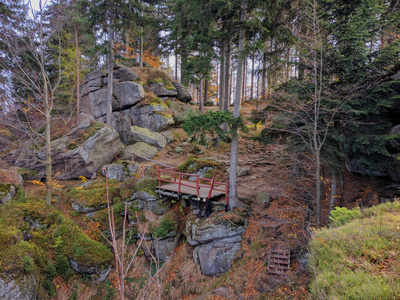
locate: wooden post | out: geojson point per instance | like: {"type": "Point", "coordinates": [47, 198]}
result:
{"type": "Point", "coordinates": [211, 188]}
{"type": "Point", "coordinates": [179, 186]}
{"type": "Point", "coordinates": [197, 186]}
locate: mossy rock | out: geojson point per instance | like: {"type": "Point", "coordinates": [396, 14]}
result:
{"type": "Point", "coordinates": [7, 192]}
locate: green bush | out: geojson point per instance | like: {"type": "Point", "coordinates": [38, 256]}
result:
{"type": "Point", "coordinates": [50, 271]}
{"type": "Point", "coordinates": [29, 263]}
{"type": "Point", "coordinates": [166, 225]}
{"type": "Point", "coordinates": [62, 264]}
{"type": "Point", "coordinates": [341, 215]}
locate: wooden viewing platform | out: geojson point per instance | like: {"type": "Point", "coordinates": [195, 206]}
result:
{"type": "Point", "coordinates": [176, 184]}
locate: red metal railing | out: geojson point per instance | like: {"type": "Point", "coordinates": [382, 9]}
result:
{"type": "Point", "coordinates": [170, 175]}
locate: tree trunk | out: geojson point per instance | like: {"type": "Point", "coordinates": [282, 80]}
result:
{"type": "Point", "coordinates": [233, 197]}
{"type": "Point", "coordinates": [244, 79]}
{"type": "Point", "coordinates": [252, 77]}
{"type": "Point", "coordinates": [201, 104]}
{"type": "Point", "coordinates": [48, 106]}
{"type": "Point", "coordinates": [176, 65]}
{"type": "Point", "coordinates": [110, 77]}
{"type": "Point", "coordinates": [78, 81]}
{"type": "Point", "coordinates": [49, 186]}
{"type": "Point", "coordinates": [184, 80]}
{"type": "Point", "coordinates": [227, 92]}
{"type": "Point", "coordinates": [318, 187]}
{"type": "Point", "coordinates": [334, 184]}
{"type": "Point", "coordinates": [205, 90]}
{"type": "Point", "coordinates": [141, 50]}
{"type": "Point", "coordinates": [263, 75]}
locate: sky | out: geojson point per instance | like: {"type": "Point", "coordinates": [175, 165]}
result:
{"type": "Point", "coordinates": [35, 4]}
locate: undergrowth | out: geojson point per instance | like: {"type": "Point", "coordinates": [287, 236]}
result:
{"type": "Point", "coordinates": [358, 260]}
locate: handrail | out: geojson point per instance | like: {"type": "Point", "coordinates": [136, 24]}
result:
{"type": "Point", "coordinates": [173, 174]}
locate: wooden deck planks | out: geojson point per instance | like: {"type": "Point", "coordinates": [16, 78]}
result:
{"type": "Point", "coordinates": [203, 191]}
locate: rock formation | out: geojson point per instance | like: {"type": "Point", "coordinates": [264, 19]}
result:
{"type": "Point", "coordinates": [130, 106]}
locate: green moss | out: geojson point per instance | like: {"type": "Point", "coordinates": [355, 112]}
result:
{"type": "Point", "coordinates": [85, 135]}
{"type": "Point", "coordinates": [192, 165]}
{"type": "Point", "coordinates": [154, 80]}
{"type": "Point", "coordinates": [147, 185]}
{"type": "Point", "coordinates": [81, 248]}
{"type": "Point", "coordinates": [5, 188]}
{"type": "Point", "coordinates": [27, 174]}
{"type": "Point", "coordinates": [95, 194]}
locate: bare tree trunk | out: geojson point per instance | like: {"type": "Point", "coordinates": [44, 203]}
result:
{"type": "Point", "coordinates": [141, 50]}
{"type": "Point", "coordinates": [201, 104]}
{"type": "Point", "coordinates": [78, 81]}
{"type": "Point", "coordinates": [141, 40]}
{"type": "Point", "coordinates": [263, 75]}
{"type": "Point", "coordinates": [184, 57]}
{"type": "Point", "coordinates": [227, 92]}
{"type": "Point", "coordinates": [205, 90]}
{"type": "Point", "coordinates": [244, 79]}
{"type": "Point", "coordinates": [176, 64]}
{"type": "Point", "coordinates": [233, 197]}
{"type": "Point", "coordinates": [48, 106]}
{"type": "Point", "coordinates": [334, 184]}
{"type": "Point", "coordinates": [110, 77]}
{"type": "Point", "coordinates": [252, 77]}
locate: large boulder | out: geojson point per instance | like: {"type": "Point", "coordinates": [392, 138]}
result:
{"type": "Point", "coordinates": [163, 248]}
{"type": "Point", "coordinates": [183, 93]}
{"type": "Point", "coordinates": [140, 149]}
{"type": "Point", "coordinates": [215, 258]}
{"type": "Point", "coordinates": [355, 166]}
{"type": "Point", "coordinates": [154, 117]}
{"type": "Point", "coordinates": [122, 124]}
{"type": "Point", "coordinates": [101, 274]}
{"type": "Point", "coordinates": [216, 241]}
{"type": "Point", "coordinates": [179, 110]}
{"type": "Point", "coordinates": [99, 149]}
{"type": "Point", "coordinates": [394, 172]}
{"type": "Point", "coordinates": [204, 232]}
{"type": "Point", "coordinates": [120, 172]}
{"type": "Point", "coordinates": [98, 103]}
{"type": "Point", "coordinates": [11, 176]}
{"type": "Point", "coordinates": [7, 192]}
{"type": "Point", "coordinates": [127, 94]}
{"type": "Point", "coordinates": [21, 288]}
{"type": "Point", "coordinates": [160, 90]}
{"type": "Point", "coordinates": [80, 154]}
{"type": "Point", "coordinates": [123, 73]}
{"type": "Point", "coordinates": [395, 143]}
{"type": "Point", "coordinates": [139, 134]}
{"type": "Point", "coordinates": [148, 202]}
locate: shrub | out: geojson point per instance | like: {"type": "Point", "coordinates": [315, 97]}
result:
{"type": "Point", "coordinates": [341, 215]}
{"type": "Point", "coordinates": [62, 264]}
{"type": "Point", "coordinates": [166, 225]}
{"type": "Point", "coordinates": [29, 263]}
{"type": "Point", "coordinates": [50, 271]}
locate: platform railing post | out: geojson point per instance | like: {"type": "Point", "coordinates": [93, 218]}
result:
{"type": "Point", "coordinates": [179, 185]}
{"type": "Point", "coordinates": [197, 186]}
{"type": "Point", "coordinates": [211, 188]}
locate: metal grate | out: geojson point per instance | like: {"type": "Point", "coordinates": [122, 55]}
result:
{"type": "Point", "coordinates": [279, 262]}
